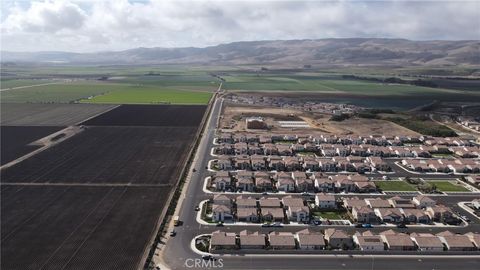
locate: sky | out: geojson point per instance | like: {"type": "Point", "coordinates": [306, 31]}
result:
{"type": "Point", "coordinates": [89, 25]}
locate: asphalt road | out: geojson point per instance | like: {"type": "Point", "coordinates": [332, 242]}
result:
{"type": "Point", "coordinates": [177, 253]}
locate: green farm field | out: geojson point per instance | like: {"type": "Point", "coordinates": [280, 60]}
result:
{"type": "Point", "coordinates": [151, 95]}
{"type": "Point", "coordinates": [193, 85]}
{"type": "Point", "coordinates": [111, 93]}
{"type": "Point", "coordinates": [5, 84]}
{"type": "Point", "coordinates": [326, 83]}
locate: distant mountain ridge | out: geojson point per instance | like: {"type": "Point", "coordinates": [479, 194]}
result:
{"type": "Point", "coordinates": [348, 51]}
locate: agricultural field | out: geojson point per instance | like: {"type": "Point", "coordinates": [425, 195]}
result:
{"type": "Point", "coordinates": [108, 85]}
{"type": "Point", "coordinates": [93, 201]}
{"type": "Point", "coordinates": [151, 95]}
{"type": "Point", "coordinates": [6, 84]}
{"type": "Point", "coordinates": [333, 87]}
{"type": "Point", "coordinates": [150, 115]}
{"type": "Point", "coordinates": [108, 93]}
{"type": "Point", "coordinates": [147, 155]}
{"type": "Point", "coordinates": [448, 186]}
{"type": "Point", "coordinates": [35, 114]}
{"type": "Point", "coordinates": [74, 227]}
{"type": "Point", "coordinates": [15, 140]}
{"type": "Point", "coordinates": [323, 83]}
{"type": "Point", "coordinates": [59, 93]}
{"type": "Point", "coordinates": [394, 186]}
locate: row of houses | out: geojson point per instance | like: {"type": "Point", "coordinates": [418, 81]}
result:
{"type": "Point", "coordinates": [265, 209]}
{"type": "Point", "coordinates": [294, 163]}
{"type": "Point", "coordinates": [397, 210]}
{"type": "Point", "coordinates": [471, 124]}
{"type": "Point", "coordinates": [331, 150]}
{"type": "Point", "coordinates": [296, 181]}
{"type": "Point", "coordinates": [381, 140]}
{"type": "Point", "coordinates": [458, 165]}
{"type": "Point", "coordinates": [335, 239]}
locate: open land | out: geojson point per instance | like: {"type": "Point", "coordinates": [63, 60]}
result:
{"type": "Point", "coordinates": [15, 140]}
{"type": "Point", "coordinates": [109, 155]}
{"type": "Point", "coordinates": [149, 115]}
{"type": "Point", "coordinates": [8, 84]}
{"type": "Point", "coordinates": [95, 200]}
{"type": "Point", "coordinates": [36, 114]}
{"type": "Point", "coordinates": [103, 191]}
{"type": "Point", "coordinates": [78, 227]}
{"type": "Point", "coordinates": [317, 121]}
{"type": "Point", "coordinates": [324, 83]}
{"type": "Point", "coordinates": [103, 92]}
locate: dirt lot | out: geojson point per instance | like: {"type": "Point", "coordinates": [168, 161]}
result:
{"type": "Point", "coordinates": [15, 140]}
{"type": "Point", "coordinates": [364, 126]}
{"type": "Point", "coordinates": [48, 114]}
{"type": "Point", "coordinates": [150, 115]}
{"type": "Point", "coordinates": [234, 117]}
{"type": "Point", "coordinates": [77, 227]}
{"type": "Point", "coordinates": [109, 155]}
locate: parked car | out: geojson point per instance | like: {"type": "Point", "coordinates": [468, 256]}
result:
{"type": "Point", "coordinates": [194, 170]}
{"type": "Point", "coordinates": [264, 193]}
{"type": "Point", "coordinates": [197, 208]}
{"type": "Point", "coordinates": [367, 225]}
{"type": "Point", "coordinates": [220, 224]}
{"type": "Point", "coordinates": [208, 257]}
{"type": "Point", "coordinates": [402, 226]}
{"type": "Point", "coordinates": [266, 225]}
{"type": "Point", "coordinates": [173, 233]}
{"type": "Point", "coordinates": [359, 225]}
{"type": "Point", "coordinates": [277, 224]}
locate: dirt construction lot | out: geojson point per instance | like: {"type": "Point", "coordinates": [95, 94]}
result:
{"type": "Point", "coordinates": [234, 117]}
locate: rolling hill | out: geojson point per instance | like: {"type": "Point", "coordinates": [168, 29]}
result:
{"type": "Point", "coordinates": [327, 52]}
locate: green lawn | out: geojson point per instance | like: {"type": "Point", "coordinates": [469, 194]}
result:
{"type": "Point", "coordinates": [448, 186]}
{"type": "Point", "coordinates": [394, 186]}
{"type": "Point", "coordinates": [329, 214]}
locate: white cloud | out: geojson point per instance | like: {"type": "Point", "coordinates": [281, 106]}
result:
{"type": "Point", "coordinates": [79, 25]}
{"type": "Point", "coordinates": [49, 16]}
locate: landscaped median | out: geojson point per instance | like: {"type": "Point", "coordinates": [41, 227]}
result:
{"type": "Point", "coordinates": [394, 185]}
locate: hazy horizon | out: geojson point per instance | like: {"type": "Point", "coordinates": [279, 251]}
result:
{"type": "Point", "coordinates": [239, 41]}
